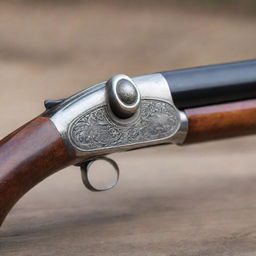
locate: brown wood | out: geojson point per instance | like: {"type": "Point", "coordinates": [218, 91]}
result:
{"type": "Point", "coordinates": [221, 121]}
{"type": "Point", "coordinates": [27, 156]}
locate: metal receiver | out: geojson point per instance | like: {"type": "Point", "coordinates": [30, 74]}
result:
{"type": "Point", "coordinates": [118, 115]}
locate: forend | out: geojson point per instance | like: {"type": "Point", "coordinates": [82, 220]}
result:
{"type": "Point", "coordinates": [121, 114]}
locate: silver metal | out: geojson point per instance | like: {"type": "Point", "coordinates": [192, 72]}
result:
{"type": "Point", "coordinates": [123, 96]}
{"type": "Point", "coordinates": [90, 128]}
{"type": "Point", "coordinates": [97, 130]}
{"type": "Point", "coordinates": [85, 169]}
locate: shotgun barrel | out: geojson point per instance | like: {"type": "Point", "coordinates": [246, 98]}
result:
{"type": "Point", "coordinates": [201, 86]}
{"type": "Point", "coordinates": [178, 107]}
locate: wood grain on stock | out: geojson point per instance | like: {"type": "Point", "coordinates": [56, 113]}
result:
{"type": "Point", "coordinates": [27, 156]}
{"type": "Point", "coordinates": [221, 121]}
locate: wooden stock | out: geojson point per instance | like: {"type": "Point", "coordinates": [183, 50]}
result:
{"type": "Point", "coordinates": [221, 121]}
{"type": "Point", "coordinates": [27, 156]}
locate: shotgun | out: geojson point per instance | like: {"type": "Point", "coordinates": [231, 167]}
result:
{"type": "Point", "coordinates": [174, 107]}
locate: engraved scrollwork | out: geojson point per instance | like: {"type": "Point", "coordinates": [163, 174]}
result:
{"type": "Point", "coordinates": [95, 130]}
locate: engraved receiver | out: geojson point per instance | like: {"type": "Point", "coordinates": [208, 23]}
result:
{"type": "Point", "coordinates": [122, 114]}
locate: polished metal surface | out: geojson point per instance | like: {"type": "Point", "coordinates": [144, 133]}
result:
{"type": "Point", "coordinates": [123, 96]}
{"type": "Point", "coordinates": [91, 128]}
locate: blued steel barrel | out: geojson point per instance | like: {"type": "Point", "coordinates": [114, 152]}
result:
{"type": "Point", "coordinates": [212, 84]}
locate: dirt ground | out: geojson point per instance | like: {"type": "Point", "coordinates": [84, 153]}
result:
{"type": "Point", "coordinates": [195, 200]}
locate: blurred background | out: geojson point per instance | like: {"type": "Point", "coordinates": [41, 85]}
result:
{"type": "Point", "coordinates": [194, 200]}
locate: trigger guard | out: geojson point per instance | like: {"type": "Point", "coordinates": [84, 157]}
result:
{"type": "Point", "coordinates": [85, 168]}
